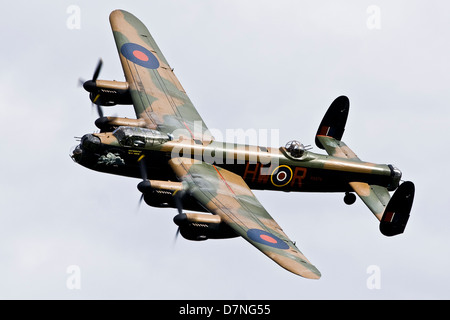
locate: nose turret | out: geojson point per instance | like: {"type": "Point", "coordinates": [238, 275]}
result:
{"type": "Point", "coordinates": [89, 145]}
{"type": "Point", "coordinates": [90, 142]}
{"type": "Point", "coordinates": [76, 153]}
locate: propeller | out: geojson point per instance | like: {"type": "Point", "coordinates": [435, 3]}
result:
{"type": "Point", "coordinates": [91, 87]}
{"type": "Point", "coordinates": [97, 69]}
{"type": "Point", "coordinates": [179, 218]}
{"type": "Point", "coordinates": [90, 84]}
{"type": "Point", "coordinates": [178, 195]}
{"type": "Point", "coordinates": [176, 235]}
{"type": "Point", "coordinates": [144, 184]}
{"type": "Point", "coordinates": [99, 108]}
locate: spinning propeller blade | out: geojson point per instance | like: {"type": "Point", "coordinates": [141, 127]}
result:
{"type": "Point", "coordinates": [90, 86]}
{"type": "Point", "coordinates": [178, 198]}
{"type": "Point", "coordinates": [97, 69]}
{"type": "Point", "coordinates": [144, 184]}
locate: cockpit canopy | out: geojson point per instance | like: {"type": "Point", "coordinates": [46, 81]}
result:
{"type": "Point", "coordinates": [295, 148]}
{"type": "Point", "coordinates": [140, 137]}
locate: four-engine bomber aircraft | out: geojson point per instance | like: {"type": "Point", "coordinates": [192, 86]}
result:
{"type": "Point", "coordinates": [182, 166]}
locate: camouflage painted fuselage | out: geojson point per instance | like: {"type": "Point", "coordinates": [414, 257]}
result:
{"type": "Point", "coordinates": [261, 168]}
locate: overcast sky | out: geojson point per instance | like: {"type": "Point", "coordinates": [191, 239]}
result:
{"type": "Point", "coordinates": [244, 64]}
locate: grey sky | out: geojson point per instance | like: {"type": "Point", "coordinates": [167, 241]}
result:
{"type": "Point", "coordinates": [244, 64]}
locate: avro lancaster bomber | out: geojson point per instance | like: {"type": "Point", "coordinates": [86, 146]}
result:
{"type": "Point", "coordinates": [169, 147]}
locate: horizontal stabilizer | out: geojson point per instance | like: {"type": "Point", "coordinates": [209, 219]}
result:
{"type": "Point", "coordinates": [392, 212]}
{"type": "Point", "coordinates": [333, 123]}
{"type": "Point", "coordinates": [336, 148]}
{"type": "Point", "coordinates": [375, 197]}
{"type": "Point", "coordinates": [397, 211]}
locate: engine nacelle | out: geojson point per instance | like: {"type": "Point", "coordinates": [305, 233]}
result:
{"type": "Point", "coordinates": [198, 227]}
{"type": "Point", "coordinates": [159, 199]}
{"type": "Point", "coordinates": [108, 93]}
{"type": "Point", "coordinates": [109, 124]}
{"type": "Point", "coordinates": [160, 194]}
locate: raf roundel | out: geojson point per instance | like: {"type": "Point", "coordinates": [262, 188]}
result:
{"type": "Point", "coordinates": [266, 238]}
{"type": "Point", "coordinates": [139, 55]}
{"type": "Point", "coordinates": [281, 176]}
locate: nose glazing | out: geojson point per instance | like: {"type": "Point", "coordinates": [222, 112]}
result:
{"type": "Point", "coordinates": [90, 142]}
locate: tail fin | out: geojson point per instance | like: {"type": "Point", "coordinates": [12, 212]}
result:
{"type": "Point", "coordinates": [332, 127]}
{"type": "Point", "coordinates": [333, 123]}
{"type": "Point", "coordinates": [397, 211]}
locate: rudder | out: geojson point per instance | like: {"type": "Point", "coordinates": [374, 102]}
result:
{"type": "Point", "coordinates": [334, 120]}
{"type": "Point", "coordinates": [396, 215]}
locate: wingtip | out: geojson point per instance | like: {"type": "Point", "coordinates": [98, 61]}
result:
{"type": "Point", "coordinates": [307, 271]}
{"type": "Point", "coordinates": [118, 13]}
{"type": "Point", "coordinates": [311, 275]}
{"type": "Point", "coordinates": [303, 268]}
{"type": "Point", "coordinates": [115, 12]}
{"type": "Point", "coordinates": [298, 265]}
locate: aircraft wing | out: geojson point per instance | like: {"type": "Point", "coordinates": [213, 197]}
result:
{"type": "Point", "coordinates": [156, 93]}
{"type": "Point", "coordinates": [225, 194]}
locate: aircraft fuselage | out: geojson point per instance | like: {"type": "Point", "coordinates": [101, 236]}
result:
{"type": "Point", "coordinates": [262, 168]}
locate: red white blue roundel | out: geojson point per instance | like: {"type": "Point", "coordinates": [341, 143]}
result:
{"type": "Point", "coordinates": [139, 55]}
{"type": "Point", "coordinates": [266, 238]}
